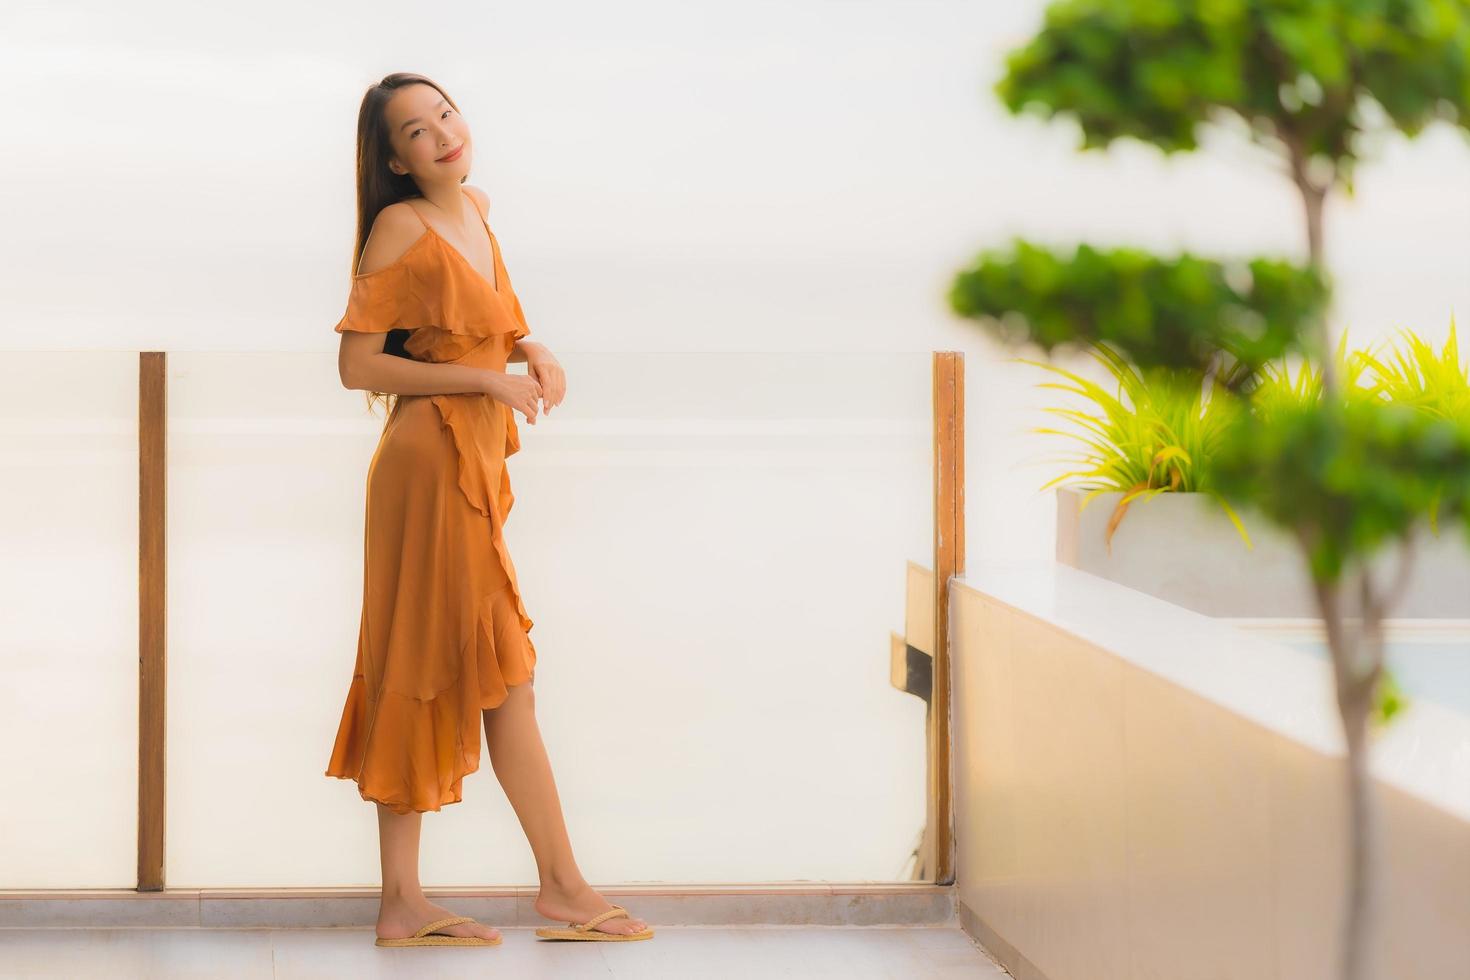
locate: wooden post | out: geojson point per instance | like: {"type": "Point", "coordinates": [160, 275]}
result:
{"type": "Point", "coordinates": [949, 560]}
{"type": "Point", "coordinates": [152, 612]}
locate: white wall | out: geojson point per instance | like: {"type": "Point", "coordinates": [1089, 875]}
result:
{"type": "Point", "coordinates": [1142, 791]}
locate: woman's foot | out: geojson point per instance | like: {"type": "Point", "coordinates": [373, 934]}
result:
{"type": "Point", "coordinates": [399, 918]}
{"type": "Point", "coordinates": [579, 905]}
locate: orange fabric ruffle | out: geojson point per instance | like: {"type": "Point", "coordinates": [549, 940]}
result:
{"type": "Point", "coordinates": [444, 633]}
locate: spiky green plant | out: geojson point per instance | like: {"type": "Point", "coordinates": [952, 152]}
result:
{"type": "Point", "coordinates": [1151, 443]}
{"type": "Point", "coordinates": [1156, 440]}
{"type": "Point", "coordinates": [1276, 388]}
{"type": "Point", "coordinates": [1437, 383]}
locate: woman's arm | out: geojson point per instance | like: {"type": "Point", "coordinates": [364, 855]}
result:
{"type": "Point", "coordinates": [521, 349]}
{"type": "Point", "coordinates": [369, 369]}
{"type": "Point", "coordinates": [400, 375]}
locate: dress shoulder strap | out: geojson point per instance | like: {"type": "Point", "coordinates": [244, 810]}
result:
{"type": "Point", "coordinates": [476, 205]}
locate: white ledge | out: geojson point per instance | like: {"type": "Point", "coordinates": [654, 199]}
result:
{"type": "Point", "coordinates": [1424, 751]}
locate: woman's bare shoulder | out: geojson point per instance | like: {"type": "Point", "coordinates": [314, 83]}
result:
{"type": "Point", "coordinates": [481, 198]}
{"type": "Point", "coordinates": [395, 228]}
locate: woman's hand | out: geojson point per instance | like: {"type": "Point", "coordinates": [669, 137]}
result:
{"type": "Point", "coordinates": [519, 391]}
{"type": "Point", "coordinates": [542, 365]}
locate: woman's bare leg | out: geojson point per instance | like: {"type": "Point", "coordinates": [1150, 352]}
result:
{"type": "Point", "coordinates": [520, 762]}
{"type": "Point", "coordinates": [403, 909]}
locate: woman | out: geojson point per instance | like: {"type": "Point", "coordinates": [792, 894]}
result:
{"type": "Point", "coordinates": [443, 645]}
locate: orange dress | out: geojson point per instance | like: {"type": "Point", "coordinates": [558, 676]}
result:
{"type": "Point", "coordinates": [443, 631]}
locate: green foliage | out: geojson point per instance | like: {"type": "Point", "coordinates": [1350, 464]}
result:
{"type": "Point", "coordinates": [1151, 443]}
{"type": "Point", "coordinates": [1388, 699]}
{"type": "Point", "coordinates": [1172, 313]}
{"type": "Point", "coordinates": [1275, 386]}
{"type": "Point", "coordinates": [1346, 476]}
{"type": "Point", "coordinates": [1293, 69]}
{"type": "Point", "coordinates": [1436, 383]}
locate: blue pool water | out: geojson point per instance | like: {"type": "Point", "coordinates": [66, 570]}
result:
{"type": "Point", "coordinates": [1433, 669]}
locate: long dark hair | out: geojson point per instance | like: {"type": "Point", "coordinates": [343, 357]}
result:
{"type": "Point", "coordinates": [378, 186]}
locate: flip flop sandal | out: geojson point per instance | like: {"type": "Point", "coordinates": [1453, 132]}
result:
{"type": "Point", "coordinates": [424, 938]}
{"type": "Point", "coordinates": [588, 931]}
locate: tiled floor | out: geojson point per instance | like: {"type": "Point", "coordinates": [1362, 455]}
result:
{"type": "Point", "coordinates": [675, 953]}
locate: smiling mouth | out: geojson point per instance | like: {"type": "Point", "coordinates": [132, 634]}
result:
{"type": "Point", "coordinates": [451, 156]}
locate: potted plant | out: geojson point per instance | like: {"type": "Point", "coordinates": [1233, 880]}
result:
{"type": "Point", "coordinates": [1149, 442]}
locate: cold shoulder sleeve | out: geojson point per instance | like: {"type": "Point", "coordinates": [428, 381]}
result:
{"type": "Point", "coordinates": [383, 300]}
{"type": "Point", "coordinates": [433, 287]}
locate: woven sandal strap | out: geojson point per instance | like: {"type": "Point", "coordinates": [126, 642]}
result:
{"type": "Point", "coordinates": [611, 913]}
{"type": "Point", "coordinates": [453, 920]}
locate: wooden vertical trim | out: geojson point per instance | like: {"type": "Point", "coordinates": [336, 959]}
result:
{"type": "Point", "coordinates": [152, 612]}
{"type": "Point", "coordinates": [949, 560]}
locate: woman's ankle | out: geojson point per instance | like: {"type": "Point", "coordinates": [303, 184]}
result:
{"type": "Point", "coordinates": [564, 884]}
{"type": "Point", "coordinates": [402, 895]}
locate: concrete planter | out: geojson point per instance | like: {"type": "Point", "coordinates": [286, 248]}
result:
{"type": "Point", "coordinates": [1183, 548]}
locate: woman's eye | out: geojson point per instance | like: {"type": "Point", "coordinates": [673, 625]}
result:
{"type": "Point", "coordinates": [441, 116]}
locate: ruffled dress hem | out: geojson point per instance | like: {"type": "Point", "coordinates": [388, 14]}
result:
{"type": "Point", "coordinates": [410, 753]}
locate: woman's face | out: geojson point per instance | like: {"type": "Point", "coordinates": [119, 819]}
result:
{"type": "Point", "coordinates": [424, 128]}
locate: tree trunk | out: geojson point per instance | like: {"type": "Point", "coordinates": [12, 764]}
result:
{"type": "Point", "coordinates": [1357, 663]}
{"type": "Point", "coordinates": [1359, 918]}
{"type": "Point", "coordinates": [1314, 199]}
